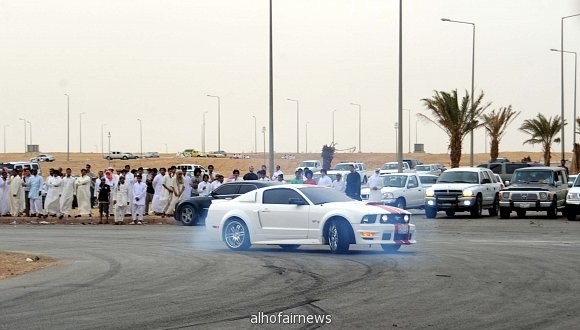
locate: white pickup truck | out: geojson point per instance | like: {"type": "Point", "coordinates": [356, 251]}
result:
{"type": "Point", "coordinates": [403, 190]}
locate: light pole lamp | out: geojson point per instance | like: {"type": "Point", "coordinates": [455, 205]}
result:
{"type": "Point", "coordinates": [255, 134]}
{"type": "Point", "coordinates": [68, 127]}
{"type": "Point", "coordinates": [5, 137]}
{"type": "Point", "coordinates": [140, 135]}
{"type": "Point", "coordinates": [81, 132]}
{"type": "Point", "coordinates": [24, 121]}
{"type": "Point", "coordinates": [562, 80]}
{"type": "Point", "coordinates": [297, 123]}
{"type": "Point", "coordinates": [471, 97]}
{"type": "Point", "coordinates": [359, 125]}
{"type": "Point", "coordinates": [203, 133]}
{"type": "Point", "coordinates": [333, 112]}
{"type": "Point", "coordinates": [219, 120]}
{"type": "Point", "coordinates": [102, 143]}
{"type": "Point", "coordinates": [575, 78]}
{"type": "Point", "coordinates": [409, 128]}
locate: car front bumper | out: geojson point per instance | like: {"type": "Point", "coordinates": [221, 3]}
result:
{"type": "Point", "coordinates": [456, 203]}
{"type": "Point", "coordinates": [531, 205]}
{"type": "Point", "coordinates": [396, 234]}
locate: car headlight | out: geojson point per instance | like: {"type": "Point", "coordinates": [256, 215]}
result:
{"type": "Point", "coordinates": [395, 218]}
{"type": "Point", "coordinates": [543, 195]}
{"type": "Point", "coordinates": [505, 195]}
{"type": "Point", "coordinates": [429, 192]}
{"type": "Point", "coordinates": [369, 218]}
{"type": "Point", "coordinates": [572, 196]}
{"type": "Point", "coordinates": [388, 195]}
{"type": "Point", "coordinates": [468, 193]}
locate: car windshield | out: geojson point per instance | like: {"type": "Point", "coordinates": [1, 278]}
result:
{"type": "Point", "coordinates": [534, 176]}
{"type": "Point", "coordinates": [577, 182]}
{"type": "Point", "coordinates": [391, 166]}
{"type": "Point", "coordinates": [319, 195]}
{"type": "Point", "coordinates": [398, 181]}
{"type": "Point", "coordinates": [458, 177]}
{"type": "Point", "coordinates": [425, 168]}
{"type": "Point", "coordinates": [342, 167]}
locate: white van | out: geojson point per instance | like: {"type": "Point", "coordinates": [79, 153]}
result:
{"type": "Point", "coordinates": [20, 166]}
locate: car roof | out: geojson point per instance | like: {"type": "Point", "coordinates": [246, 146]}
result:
{"type": "Point", "coordinates": [535, 168]}
{"type": "Point", "coordinates": [467, 169]}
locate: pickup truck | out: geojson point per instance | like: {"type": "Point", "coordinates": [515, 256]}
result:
{"type": "Point", "coordinates": [120, 155]}
{"type": "Point", "coordinates": [393, 167]}
{"type": "Point", "coordinates": [463, 189]}
{"type": "Point", "coordinates": [403, 190]}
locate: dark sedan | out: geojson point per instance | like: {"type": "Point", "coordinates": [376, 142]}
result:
{"type": "Point", "coordinates": [194, 209]}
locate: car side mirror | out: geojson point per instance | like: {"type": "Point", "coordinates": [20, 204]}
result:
{"type": "Point", "coordinates": [506, 183]}
{"type": "Point", "coordinates": [296, 201]}
{"type": "Point", "coordinates": [570, 184]}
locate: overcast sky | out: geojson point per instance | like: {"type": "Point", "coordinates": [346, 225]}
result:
{"type": "Point", "coordinates": [156, 60]}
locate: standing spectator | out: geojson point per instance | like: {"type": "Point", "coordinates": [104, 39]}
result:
{"type": "Point", "coordinates": [25, 177]}
{"type": "Point", "coordinates": [297, 178]}
{"type": "Point", "coordinates": [67, 195]}
{"type": "Point", "coordinates": [277, 173]}
{"type": "Point", "coordinates": [219, 180]}
{"type": "Point", "coordinates": [563, 164]}
{"type": "Point", "coordinates": [16, 191]}
{"type": "Point", "coordinates": [158, 186]}
{"type": "Point", "coordinates": [178, 185]}
{"type": "Point", "coordinates": [4, 194]}
{"type": "Point", "coordinates": [309, 179]}
{"type": "Point", "coordinates": [250, 175]}
{"type": "Point", "coordinates": [35, 193]}
{"type": "Point", "coordinates": [52, 201]}
{"type": "Point", "coordinates": [339, 184]}
{"type": "Point", "coordinates": [130, 179]}
{"type": "Point", "coordinates": [139, 192]}
{"type": "Point", "coordinates": [262, 175]}
{"type": "Point", "coordinates": [210, 172]}
{"type": "Point", "coordinates": [111, 179]}
{"type": "Point", "coordinates": [325, 180]}
{"type": "Point", "coordinates": [121, 200]}
{"type": "Point", "coordinates": [188, 182]}
{"type": "Point", "coordinates": [150, 188]}
{"type": "Point", "coordinates": [93, 178]}
{"type": "Point", "coordinates": [195, 180]}
{"type": "Point", "coordinates": [168, 191]}
{"type": "Point", "coordinates": [353, 184]}
{"type": "Point", "coordinates": [281, 178]}
{"type": "Point", "coordinates": [104, 197]}
{"type": "Point", "coordinates": [204, 188]}
{"type": "Point", "coordinates": [375, 184]}
{"type": "Point", "coordinates": [84, 196]}
{"type": "Point", "coordinates": [235, 176]}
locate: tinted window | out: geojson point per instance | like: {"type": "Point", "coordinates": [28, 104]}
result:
{"type": "Point", "coordinates": [226, 189]}
{"type": "Point", "coordinates": [412, 182]}
{"type": "Point", "coordinates": [428, 179]}
{"type": "Point", "coordinates": [483, 165]}
{"type": "Point", "coordinates": [247, 187]}
{"type": "Point", "coordinates": [458, 177]}
{"type": "Point", "coordinates": [510, 168]}
{"type": "Point", "coordinates": [324, 195]}
{"type": "Point", "coordinates": [495, 168]}
{"type": "Point", "coordinates": [486, 175]}
{"type": "Point", "coordinates": [342, 167]}
{"type": "Point", "coordinates": [422, 168]}
{"type": "Point", "coordinates": [279, 196]}
{"type": "Point", "coordinates": [541, 176]}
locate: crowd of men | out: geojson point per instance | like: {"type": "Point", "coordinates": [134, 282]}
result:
{"type": "Point", "coordinates": [131, 192]}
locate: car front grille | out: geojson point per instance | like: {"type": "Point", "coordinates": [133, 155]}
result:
{"type": "Point", "coordinates": [524, 196]}
{"type": "Point", "coordinates": [448, 194]}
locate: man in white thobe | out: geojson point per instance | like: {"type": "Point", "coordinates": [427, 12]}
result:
{"type": "Point", "coordinates": [35, 193]}
{"type": "Point", "coordinates": [168, 189]}
{"type": "Point", "coordinates": [130, 180]}
{"type": "Point", "coordinates": [16, 192]}
{"type": "Point", "coordinates": [121, 200]}
{"type": "Point", "coordinates": [325, 180]}
{"type": "Point", "coordinates": [67, 195]}
{"type": "Point", "coordinates": [339, 184]}
{"type": "Point", "coordinates": [139, 194]}
{"type": "Point", "coordinates": [158, 186]}
{"type": "Point", "coordinates": [52, 201]}
{"type": "Point", "coordinates": [375, 183]}
{"type": "Point", "coordinates": [4, 194]}
{"type": "Point", "coordinates": [83, 187]}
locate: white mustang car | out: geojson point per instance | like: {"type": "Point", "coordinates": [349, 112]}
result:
{"type": "Point", "coordinates": [294, 215]}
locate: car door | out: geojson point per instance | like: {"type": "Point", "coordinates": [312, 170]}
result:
{"type": "Point", "coordinates": [415, 192]}
{"type": "Point", "coordinates": [489, 187]}
{"type": "Point", "coordinates": [280, 217]}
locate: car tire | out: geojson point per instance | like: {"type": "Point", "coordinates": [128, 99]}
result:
{"type": "Point", "coordinates": [401, 203]}
{"type": "Point", "coordinates": [553, 210]}
{"type": "Point", "coordinates": [430, 212]}
{"type": "Point", "coordinates": [521, 213]}
{"type": "Point", "coordinates": [477, 209]}
{"type": "Point", "coordinates": [188, 215]}
{"type": "Point", "coordinates": [289, 247]}
{"type": "Point", "coordinates": [338, 237]}
{"type": "Point", "coordinates": [236, 235]}
{"type": "Point", "coordinates": [391, 248]}
{"type": "Point", "coordinates": [571, 213]}
{"type": "Point", "coordinates": [108, 157]}
{"type": "Point", "coordinates": [450, 213]}
{"type": "Point", "coordinates": [494, 208]}
{"type": "Point", "coordinates": [124, 157]}
{"type": "Point", "coordinates": [504, 212]}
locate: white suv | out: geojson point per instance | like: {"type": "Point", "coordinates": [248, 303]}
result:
{"type": "Point", "coordinates": [343, 168]}
{"type": "Point", "coordinates": [463, 189]}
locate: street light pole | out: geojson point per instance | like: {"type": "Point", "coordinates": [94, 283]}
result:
{"type": "Point", "coordinates": [333, 111]}
{"type": "Point", "coordinates": [359, 125]}
{"type": "Point", "coordinates": [140, 135]}
{"type": "Point", "coordinates": [219, 120]}
{"type": "Point", "coordinates": [271, 99]}
{"type": "Point", "coordinates": [5, 137]}
{"type": "Point", "coordinates": [81, 132]}
{"type": "Point", "coordinates": [575, 78]}
{"type": "Point", "coordinates": [24, 121]}
{"type": "Point", "coordinates": [109, 136]}
{"type": "Point", "coordinates": [400, 94]}
{"type": "Point", "coordinates": [68, 127]}
{"type": "Point", "coordinates": [102, 143]}
{"type": "Point", "coordinates": [255, 135]}
{"type": "Point", "coordinates": [562, 81]}
{"type": "Point", "coordinates": [471, 97]}
{"type": "Point", "coordinates": [264, 136]}
{"type": "Point", "coordinates": [29, 131]}
{"type": "Point", "coordinates": [306, 142]}
{"type": "Point", "coordinates": [297, 123]}
{"type": "Point", "coordinates": [203, 133]}
{"type": "Point", "coordinates": [409, 125]}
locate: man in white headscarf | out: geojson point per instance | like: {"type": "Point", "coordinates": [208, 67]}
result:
{"type": "Point", "coordinates": [83, 188]}
{"type": "Point", "coordinates": [375, 184]}
{"type": "Point", "coordinates": [67, 195]}
{"type": "Point", "coordinates": [4, 194]}
{"type": "Point", "coordinates": [16, 191]}
{"type": "Point", "coordinates": [54, 189]}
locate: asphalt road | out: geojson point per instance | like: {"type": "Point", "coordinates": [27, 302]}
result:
{"type": "Point", "coordinates": [462, 274]}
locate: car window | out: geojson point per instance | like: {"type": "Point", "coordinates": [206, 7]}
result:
{"type": "Point", "coordinates": [486, 176]}
{"type": "Point", "coordinates": [244, 188]}
{"type": "Point", "coordinates": [510, 168]}
{"type": "Point", "coordinates": [428, 179]}
{"type": "Point", "coordinates": [279, 196]}
{"type": "Point", "coordinates": [412, 183]}
{"type": "Point", "coordinates": [226, 189]}
{"type": "Point", "coordinates": [318, 195]}
{"type": "Point", "coordinates": [495, 168]}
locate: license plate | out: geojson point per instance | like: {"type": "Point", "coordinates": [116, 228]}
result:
{"type": "Point", "coordinates": [525, 205]}
{"type": "Point", "coordinates": [403, 229]}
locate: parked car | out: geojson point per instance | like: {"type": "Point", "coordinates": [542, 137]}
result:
{"type": "Point", "coordinates": [42, 158]}
{"type": "Point", "coordinates": [538, 188]}
{"type": "Point", "coordinates": [506, 169]}
{"type": "Point", "coordinates": [393, 167]}
{"type": "Point", "coordinates": [189, 168]}
{"type": "Point", "coordinates": [294, 215]}
{"type": "Point", "coordinates": [20, 166]}
{"type": "Point", "coordinates": [463, 189]}
{"type": "Point", "coordinates": [435, 169]}
{"type": "Point", "coordinates": [403, 190]}
{"type": "Point", "coordinates": [120, 155]}
{"type": "Point", "coordinates": [151, 154]}
{"type": "Point", "coordinates": [217, 154]}
{"type": "Point", "coordinates": [344, 169]}
{"type": "Point", "coordinates": [191, 153]}
{"type": "Point", "coordinates": [412, 163]}
{"type": "Point", "coordinates": [193, 210]}
{"type": "Point", "coordinates": [573, 200]}
{"type": "Point", "coordinates": [313, 165]}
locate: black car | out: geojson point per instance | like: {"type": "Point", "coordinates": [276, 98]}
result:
{"type": "Point", "coordinates": [194, 209]}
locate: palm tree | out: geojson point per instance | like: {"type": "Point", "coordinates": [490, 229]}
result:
{"type": "Point", "coordinates": [496, 124]}
{"type": "Point", "coordinates": [454, 118]}
{"type": "Point", "coordinates": [327, 155]}
{"type": "Point", "coordinates": [542, 131]}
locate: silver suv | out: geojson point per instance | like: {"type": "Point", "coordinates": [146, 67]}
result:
{"type": "Point", "coordinates": [463, 189]}
{"type": "Point", "coordinates": [535, 188]}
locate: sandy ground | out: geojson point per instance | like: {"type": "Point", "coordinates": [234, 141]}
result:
{"type": "Point", "coordinates": [13, 264]}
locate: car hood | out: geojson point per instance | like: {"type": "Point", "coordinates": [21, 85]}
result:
{"type": "Point", "coordinates": [364, 207]}
{"type": "Point", "coordinates": [383, 190]}
{"type": "Point", "coordinates": [529, 186]}
{"type": "Point", "coordinates": [454, 186]}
